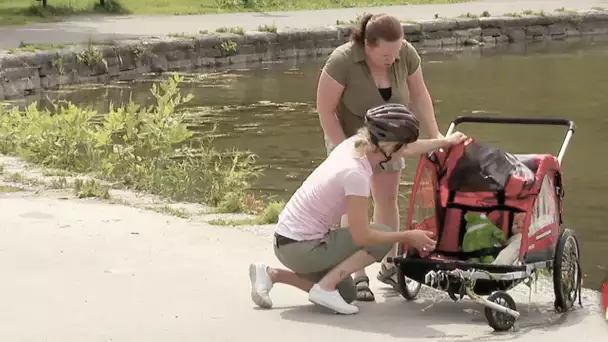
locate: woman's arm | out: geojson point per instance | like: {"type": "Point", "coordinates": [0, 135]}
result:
{"type": "Point", "coordinates": [329, 92]}
{"type": "Point", "coordinates": [363, 235]}
{"type": "Point", "coordinates": [423, 146]}
{"type": "Point", "coordinates": [422, 102]}
{"type": "Point", "coordinates": [426, 145]}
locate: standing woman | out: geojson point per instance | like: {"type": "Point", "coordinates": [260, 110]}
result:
{"type": "Point", "coordinates": [377, 66]}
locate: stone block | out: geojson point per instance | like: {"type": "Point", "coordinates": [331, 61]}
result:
{"type": "Point", "coordinates": [256, 37]}
{"type": "Point", "coordinates": [558, 28]}
{"type": "Point", "coordinates": [516, 35]}
{"type": "Point", "coordinates": [23, 73]}
{"type": "Point", "coordinates": [414, 38]}
{"type": "Point", "coordinates": [449, 41]}
{"type": "Point", "coordinates": [159, 63]}
{"type": "Point", "coordinates": [438, 25]}
{"type": "Point", "coordinates": [436, 35]}
{"type": "Point", "coordinates": [537, 30]}
{"type": "Point", "coordinates": [502, 39]}
{"type": "Point", "coordinates": [474, 33]}
{"type": "Point", "coordinates": [291, 35]}
{"type": "Point", "coordinates": [488, 40]}
{"type": "Point", "coordinates": [491, 32]}
{"type": "Point", "coordinates": [595, 27]}
{"type": "Point", "coordinates": [592, 16]}
{"type": "Point", "coordinates": [411, 28]}
{"type": "Point", "coordinates": [573, 32]}
{"type": "Point", "coordinates": [467, 23]}
{"type": "Point", "coordinates": [431, 42]}
{"type": "Point", "coordinates": [182, 64]}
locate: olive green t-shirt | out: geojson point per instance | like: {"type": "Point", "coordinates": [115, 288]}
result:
{"type": "Point", "coordinates": [347, 66]}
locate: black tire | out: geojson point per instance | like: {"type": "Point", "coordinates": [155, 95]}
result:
{"type": "Point", "coordinates": [565, 298]}
{"type": "Point", "coordinates": [497, 320]}
{"type": "Point", "coordinates": [408, 288]}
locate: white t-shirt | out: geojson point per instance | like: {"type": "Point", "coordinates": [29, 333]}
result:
{"type": "Point", "coordinates": [321, 200]}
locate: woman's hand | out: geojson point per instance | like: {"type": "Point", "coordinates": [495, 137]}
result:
{"type": "Point", "coordinates": [455, 138]}
{"type": "Point", "coordinates": [421, 240]}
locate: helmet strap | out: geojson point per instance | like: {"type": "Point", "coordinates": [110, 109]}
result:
{"type": "Point", "coordinates": [382, 163]}
{"type": "Point", "coordinates": [387, 157]}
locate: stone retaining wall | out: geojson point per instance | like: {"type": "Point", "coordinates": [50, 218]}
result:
{"type": "Point", "coordinates": [26, 73]}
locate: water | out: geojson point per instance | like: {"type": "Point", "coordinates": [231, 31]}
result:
{"type": "Point", "coordinates": [271, 112]}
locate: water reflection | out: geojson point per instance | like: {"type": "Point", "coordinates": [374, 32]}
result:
{"type": "Point", "coordinates": [271, 112]}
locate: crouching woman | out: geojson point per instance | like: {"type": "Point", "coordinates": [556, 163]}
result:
{"type": "Point", "coordinates": [320, 260]}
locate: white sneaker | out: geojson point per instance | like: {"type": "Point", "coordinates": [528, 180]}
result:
{"type": "Point", "coordinates": [331, 300]}
{"type": "Point", "coordinates": [260, 285]}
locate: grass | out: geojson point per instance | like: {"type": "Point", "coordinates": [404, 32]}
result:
{"type": "Point", "coordinates": [235, 30]}
{"type": "Point", "coordinates": [82, 188]}
{"type": "Point", "coordinates": [165, 209]}
{"type": "Point", "coordinates": [27, 47]}
{"type": "Point", "coordinates": [4, 188]}
{"type": "Point", "coordinates": [269, 215]}
{"type": "Point", "coordinates": [18, 12]}
{"type": "Point", "coordinates": [267, 28]}
{"type": "Point", "coordinates": [23, 179]}
{"type": "Point", "coordinates": [91, 188]}
{"type": "Point", "coordinates": [147, 149]}
{"type": "Point", "coordinates": [57, 173]}
{"type": "Point", "coordinates": [522, 13]}
{"type": "Point", "coordinates": [473, 16]}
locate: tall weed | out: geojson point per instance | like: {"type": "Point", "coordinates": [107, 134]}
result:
{"type": "Point", "coordinates": [144, 148]}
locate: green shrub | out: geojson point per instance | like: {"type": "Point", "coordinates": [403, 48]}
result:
{"type": "Point", "coordinates": [271, 212]}
{"type": "Point", "coordinates": [143, 148]}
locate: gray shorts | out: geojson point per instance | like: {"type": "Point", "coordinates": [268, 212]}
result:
{"type": "Point", "coordinates": [312, 259]}
{"type": "Point", "coordinates": [392, 165]}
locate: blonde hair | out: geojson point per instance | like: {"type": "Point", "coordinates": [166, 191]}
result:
{"type": "Point", "coordinates": [363, 144]}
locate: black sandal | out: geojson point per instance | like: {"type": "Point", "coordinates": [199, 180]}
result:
{"type": "Point", "coordinates": [386, 276]}
{"type": "Point", "coordinates": [364, 293]}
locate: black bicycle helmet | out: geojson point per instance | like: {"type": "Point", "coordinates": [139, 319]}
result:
{"type": "Point", "coordinates": [392, 122]}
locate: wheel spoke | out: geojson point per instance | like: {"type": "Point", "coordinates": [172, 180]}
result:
{"type": "Point", "coordinates": [569, 270]}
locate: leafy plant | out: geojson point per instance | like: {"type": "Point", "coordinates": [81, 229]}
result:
{"type": "Point", "coordinates": [144, 148]}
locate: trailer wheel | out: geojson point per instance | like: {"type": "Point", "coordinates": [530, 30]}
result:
{"type": "Point", "coordinates": [566, 271]}
{"type": "Point", "coordinates": [497, 320]}
{"type": "Point", "coordinates": [408, 288]}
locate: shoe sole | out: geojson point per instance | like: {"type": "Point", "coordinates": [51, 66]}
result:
{"type": "Point", "coordinates": [329, 307]}
{"type": "Point", "coordinates": [257, 299]}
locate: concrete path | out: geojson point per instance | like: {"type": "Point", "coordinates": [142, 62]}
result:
{"type": "Point", "coordinates": [138, 26]}
{"type": "Point", "coordinates": [81, 270]}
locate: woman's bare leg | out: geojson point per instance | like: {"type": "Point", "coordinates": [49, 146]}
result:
{"type": "Point", "coordinates": [263, 278]}
{"type": "Point", "coordinates": [385, 192]}
{"type": "Point", "coordinates": [357, 261]}
{"type": "Point", "coordinates": [283, 276]}
{"type": "Point", "coordinates": [325, 293]}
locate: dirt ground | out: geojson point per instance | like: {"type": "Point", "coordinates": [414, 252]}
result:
{"type": "Point", "coordinates": [118, 270]}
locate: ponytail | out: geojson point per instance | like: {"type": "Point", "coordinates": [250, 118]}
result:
{"type": "Point", "coordinates": [358, 33]}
